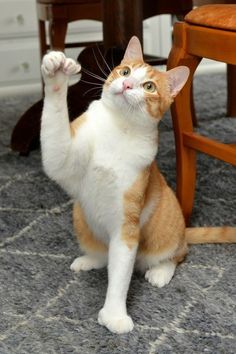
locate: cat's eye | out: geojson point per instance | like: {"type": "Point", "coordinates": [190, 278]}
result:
{"type": "Point", "coordinates": [125, 71]}
{"type": "Point", "coordinates": [149, 86]}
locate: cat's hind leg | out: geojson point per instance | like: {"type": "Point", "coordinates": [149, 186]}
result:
{"type": "Point", "coordinates": [161, 274]}
{"type": "Point", "coordinates": [160, 269]}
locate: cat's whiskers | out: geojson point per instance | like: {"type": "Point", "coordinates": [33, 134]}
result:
{"type": "Point", "coordinates": [105, 62]}
{"type": "Point", "coordinates": [139, 105]}
{"type": "Point", "coordinates": [92, 83]}
{"type": "Point", "coordinates": [98, 64]}
{"type": "Point", "coordinates": [112, 58]}
{"type": "Point", "coordinates": [141, 109]}
{"type": "Point", "coordinates": [93, 88]}
{"type": "Point", "coordinates": [93, 75]}
{"type": "Point", "coordinates": [130, 109]}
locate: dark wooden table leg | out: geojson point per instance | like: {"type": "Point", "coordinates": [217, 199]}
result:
{"type": "Point", "coordinates": [25, 135]}
{"type": "Point", "coordinates": [122, 19]}
{"type": "Point", "coordinates": [231, 90]}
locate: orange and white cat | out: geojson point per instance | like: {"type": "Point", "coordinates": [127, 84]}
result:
{"type": "Point", "coordinates": [124, 212]}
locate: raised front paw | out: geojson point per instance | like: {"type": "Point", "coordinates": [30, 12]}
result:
{"type": "Point", "coordinates": [115, 323]}
{"type": "Point", "coordinates": [56, 64]}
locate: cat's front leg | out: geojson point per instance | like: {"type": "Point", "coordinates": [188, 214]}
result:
{"type": "Point", "coordinates": [55, 135]}
{"type": "Point", "coordinates": [120, 267]}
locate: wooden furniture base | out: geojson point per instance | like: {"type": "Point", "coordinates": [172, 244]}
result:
{"type": "Point", "coordinates": [204, 34]}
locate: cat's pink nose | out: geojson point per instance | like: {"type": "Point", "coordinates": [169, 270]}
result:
{"type": "Point", "coordinates": [127, 85]}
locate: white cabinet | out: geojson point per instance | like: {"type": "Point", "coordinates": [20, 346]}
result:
{"type": "Point", "coordinates": [17, 18]}
{"type": "Point", "coordinates": [18, 43]}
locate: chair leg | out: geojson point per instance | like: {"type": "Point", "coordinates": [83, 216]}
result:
{"type": "Point", "coordinates": [231, 88]}
{"type": "Point", "coordinates": [42, 44]}
{"type": "Point", "coordinates": [25, 135]}
{"type": "Point", "coordinates": [183, 122]}
{"type": "Point", "coordinates": [186, 178]}
{"type": "Point", "coordinates": [193, 112]}
{"type": "Point", "coordinates": [57, 34]}
{"type": "Point", "coordinates": [42, 38]}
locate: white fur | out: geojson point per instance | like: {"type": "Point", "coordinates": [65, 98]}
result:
{"type": "Point", "coordinates": [161, 274]}
{"type": "Point", "coordinates": [87, 262]}
{"type": "Point", "coordinates": [145, 262]}
{"type": "Point", "coordinates": [121, 259]}
{"type": "Point", "coordinates": [115, 143]}
{"type": "Point", "coordinates": [148, 211]}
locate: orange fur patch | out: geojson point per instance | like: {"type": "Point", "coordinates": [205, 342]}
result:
{"type": "Point", "coordinates": [76, 124]}
{"type": "Point", "coordinates": [133, 205]}
{"type": "Point", "coordinates": [85, 236]}
{"type": "Point", "coordinates": [224, 234]}
{"type": "Point", "coordinates": [158, 102]}
{"type": "Point", "coordinates": [164, 231]}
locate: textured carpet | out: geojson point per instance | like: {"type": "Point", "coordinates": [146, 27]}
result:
{"type": "Point", "coordinates": [47, 309]}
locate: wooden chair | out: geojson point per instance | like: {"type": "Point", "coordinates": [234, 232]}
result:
{"type": "Point", "coordinates": [208, 32]}
{"type": "Point", "coordinates": [231, 69]}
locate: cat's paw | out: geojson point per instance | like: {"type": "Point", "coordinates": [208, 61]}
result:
{"type": "Point", "coordinates": [160, 275]}
{"type": "Point", "coordinates": [70, 67]}
{"type": "Point", "coordinates": [115, 323]}
{"type": "Point", "coordinates": [56, 69]}
{"type": "Point", "coordinates": [54, 61]}
{"type": "Point", "coordinates": [86, 263]}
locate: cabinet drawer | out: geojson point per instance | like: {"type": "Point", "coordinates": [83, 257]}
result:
{"type": "Point", "coordinates": [19, 62]}
{"type": "Point", "coordinates": [17, 18]}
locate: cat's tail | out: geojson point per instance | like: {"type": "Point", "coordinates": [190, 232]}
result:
{"type": "Point", "coordinates": [224, 234]}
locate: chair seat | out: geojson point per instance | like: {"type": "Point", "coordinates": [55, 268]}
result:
{"type": "Point", "coordinates": [215, 16]}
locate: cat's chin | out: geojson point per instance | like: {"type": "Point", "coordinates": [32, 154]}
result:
{"type": "Point", "coordinates": [121, 98]}
{"type": "Point", "coordinates": [125, 101]}
{"type": "Point", "coordinates": [119, 101]}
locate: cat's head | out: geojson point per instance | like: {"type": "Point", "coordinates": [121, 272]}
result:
{"type": "Point", "coordinates": [138, 89]}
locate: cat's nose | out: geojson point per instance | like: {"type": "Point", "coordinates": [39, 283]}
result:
{"type": "Point", "coordinates": [127, 84]}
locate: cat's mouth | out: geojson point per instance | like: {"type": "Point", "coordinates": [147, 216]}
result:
{"type": "Point", "coordinates": [123, 95]}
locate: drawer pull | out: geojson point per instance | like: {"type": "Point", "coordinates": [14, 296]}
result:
{"type": "Point", "coordinates": [20, 20]}
{"type": "Point", "coordinates": [25, 66]}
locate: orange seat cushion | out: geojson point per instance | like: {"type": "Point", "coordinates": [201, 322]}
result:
{"type": "Point", "coordinates": [216, 16]}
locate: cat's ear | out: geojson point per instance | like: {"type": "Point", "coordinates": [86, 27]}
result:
{"type": "Point", "coordinates": [177, 78]}
{"type": "Point", "coordinates": [133, 50]}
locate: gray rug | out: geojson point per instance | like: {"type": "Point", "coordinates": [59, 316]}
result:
{"type": "Point", "coordinates": [47, 309]}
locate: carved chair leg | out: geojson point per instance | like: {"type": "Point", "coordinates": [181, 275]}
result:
{"type": "Point", "coordinates": [42, 38]}
{"type": "Point", "coordinates": [183, 122]}
{"type": "Point", "coordinates": [57, 34]}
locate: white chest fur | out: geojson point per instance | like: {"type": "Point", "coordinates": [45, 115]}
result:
{"type": "Point", "coordinates": [117, 155]}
